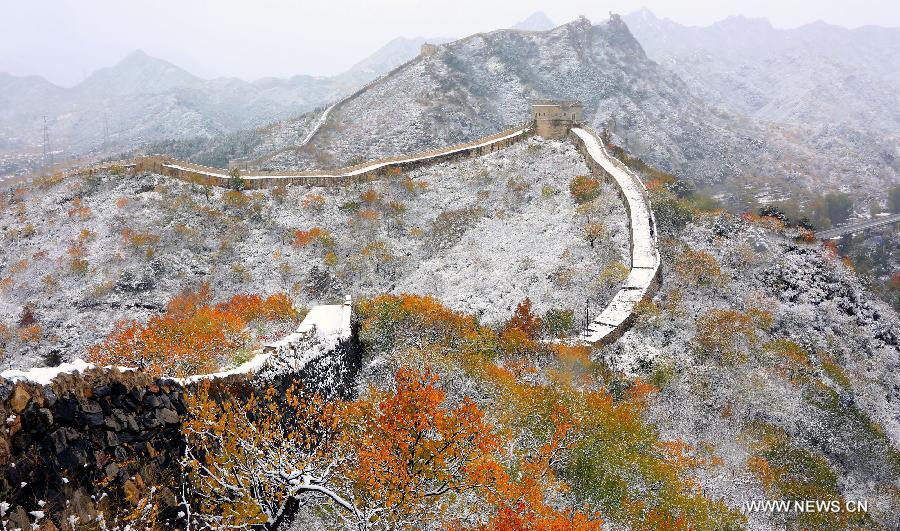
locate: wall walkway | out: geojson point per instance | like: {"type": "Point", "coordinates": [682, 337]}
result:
{"type": "Point", "coordinates": [645, 275]}
{"type": "Point", "coordinates": [862, 226]}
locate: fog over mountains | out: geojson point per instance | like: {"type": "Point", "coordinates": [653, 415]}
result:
{"type": "Point", "coordinates": [811, 106]}
{"type": "Point", "coordinates": [815, 74]}
{"type": "Point", "coordinates": [143, 99]}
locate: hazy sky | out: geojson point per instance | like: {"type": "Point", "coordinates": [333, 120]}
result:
{"type": "Point", "coordinates": [65, 40]}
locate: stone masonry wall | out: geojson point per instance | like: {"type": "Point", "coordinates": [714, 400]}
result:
{"type": "Point", "coordinates": [101, 427]}
{"type": "Point", "coordinates": [98, 438]}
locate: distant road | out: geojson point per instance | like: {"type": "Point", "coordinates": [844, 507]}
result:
{"type": "Point", "coordinates": [857, 227]}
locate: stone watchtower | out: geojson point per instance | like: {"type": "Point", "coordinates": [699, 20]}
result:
{"type": "Point", "coordinates": [553, 119]}
{"type": "Point", "coordinates": [428, 50]}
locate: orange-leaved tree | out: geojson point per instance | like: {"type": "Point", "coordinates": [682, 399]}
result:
{"type": "Point", "coordinates": [584, 188]}
{"type": "Point", "coordinates": [400, 458]}
{"type": "Point", "coordinates": [569, 447]}
{"type": "Point", "coordinates": [521, 333]}
{"type": "Point", "coordinates": [729, 334]}
{"type": "Point", "coordinates": [409, 449]}
{"type": "Point", "coordinates": [249, 463]}
{"type": "Point", "coordinates": [192, 336]}
{"type": "Point", "coordinates": [525, 320]}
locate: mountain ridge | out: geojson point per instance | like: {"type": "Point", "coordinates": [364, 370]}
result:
{"type": "Point", "coordinates": [142, 99]}
{"type": "Point", "coordinates": [452, 112]}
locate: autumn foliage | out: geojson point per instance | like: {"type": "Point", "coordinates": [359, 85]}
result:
{"type": "Point", "coordinates": [399, 458]}
{"type": "Point", "coordinates": [245, 457]}
{"type": "Point", "coordinates": [584, 188]}
{"type": "Point", "coordinates": [313, 201]}
{"type": "Point", "coordinates": [699, 268]}
{"type": "Point", "coordinates": [463, 434]}
{"type": "Point", "coordinates": [409, 448]}
{"type": "Point", "coordinates": [567, 436]}
{"type": "Point", "coordinates": [525, 320]}
{"type": "Point", "coordinates": [192, 336]}
{"type": "Point", "coordinates": [728, 334]}
{"type": "Point", "coordinates": [302, 238]}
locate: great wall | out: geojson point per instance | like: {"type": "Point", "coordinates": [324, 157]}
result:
{"type": "Point", "coordinates": [67, 427]}
{"type": "Point", "coordinates": [559, 120]}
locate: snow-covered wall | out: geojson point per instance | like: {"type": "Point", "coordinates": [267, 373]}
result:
{"type": "Point", "coordinates": [322, 331]}
{"type": "Point", "coordinates": [646, 274]}
{"type": "Point", "coordinates": [364, 172]}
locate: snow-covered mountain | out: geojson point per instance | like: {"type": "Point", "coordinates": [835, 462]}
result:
{"type": "Point", "coordinates": [478, 85]}
{"type": "Point", "coordinates": [143, 99]}
{"type": "Point", "coordinates": [814, 74]}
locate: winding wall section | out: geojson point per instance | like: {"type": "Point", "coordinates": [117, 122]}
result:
{"type": "Point", "coordinates": [367, 171]}
{"type": "Point", "coordinates": [645, 275]}
{"type": "Point", "coordinates": [323, 118]}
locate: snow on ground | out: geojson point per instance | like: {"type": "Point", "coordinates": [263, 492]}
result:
{"type": "Point", "coordinates": [842, 404]}
{"type": "Point", "coordinates": [481, 234]}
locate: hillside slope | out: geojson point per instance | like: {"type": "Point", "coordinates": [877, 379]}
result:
{"type": "Point", "coordinates": [144, 99]}
{"type": "Point", "coordinates": [475, 86]}
{"type": "Point", "coordinates": [481, 234]}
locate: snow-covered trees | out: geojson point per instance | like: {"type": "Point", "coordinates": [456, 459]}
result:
{"type": "Point", "coordinates": [193, 335]}
{"type": "Point", "coordinates": [409, 450]}
{"type": "Point", "coordinates": [728, 334]}
{"type": "Point", "coordinates": [574, 438]}
{"type": "Point", "coordinates": [400, 458]}
{"type": "Point", "coordinates": [249, 463]}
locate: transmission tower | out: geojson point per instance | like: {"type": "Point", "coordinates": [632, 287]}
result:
{"type": "Point", "coordinates": [105, 129]}
{"type": "Point", "coordinates": [48, 152]}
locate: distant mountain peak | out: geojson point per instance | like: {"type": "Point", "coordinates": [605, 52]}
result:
{"type": "Point", "coordinates": [538, 21]}
{"type": "Point", "coordinates": [138, 72]}
{"type": "Point", "coordinates": [139, 57]}
{"type": "Point", "coordinates": [645, 13]}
